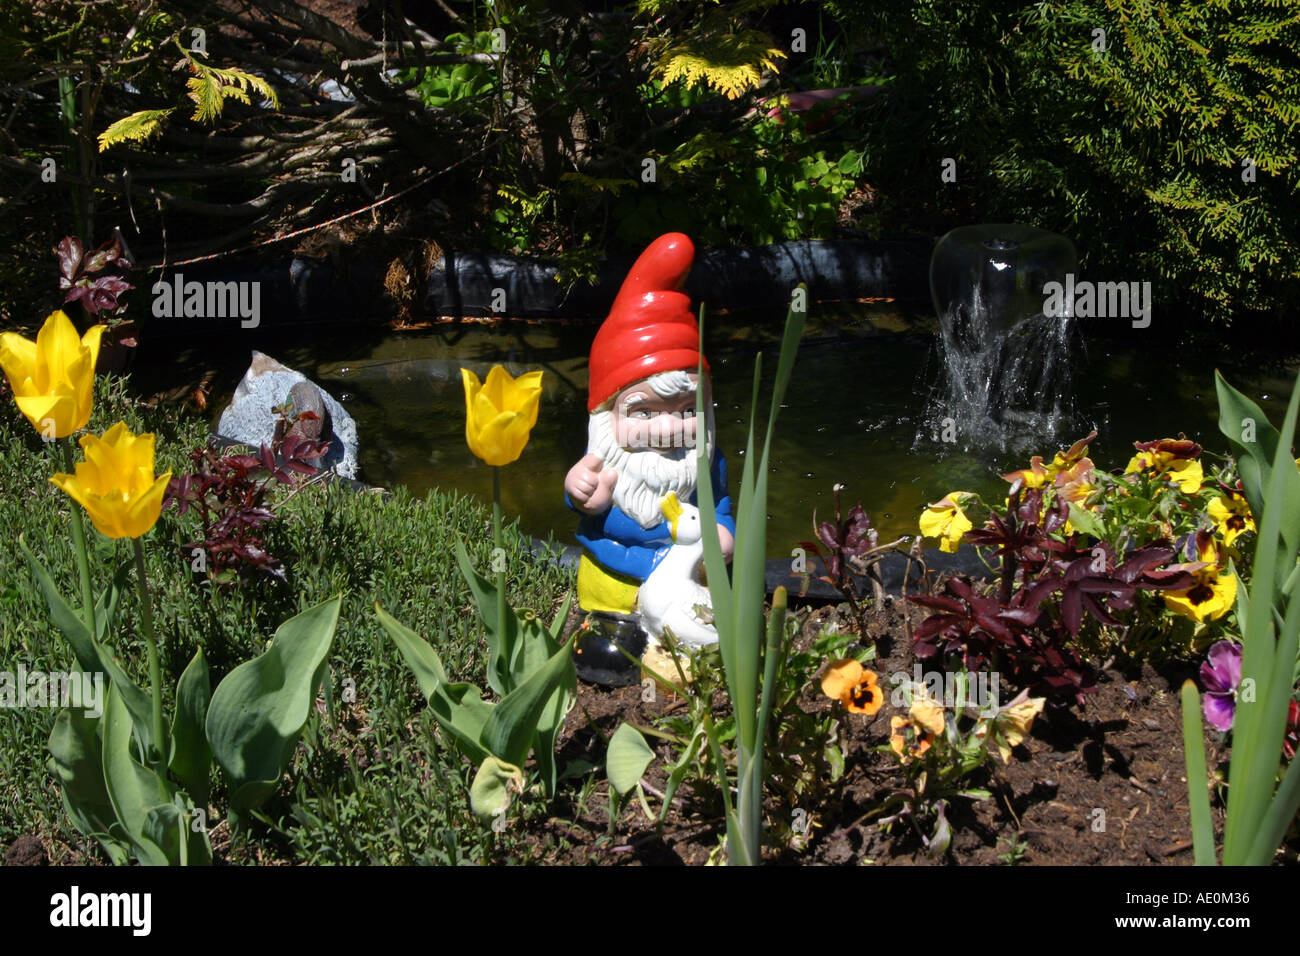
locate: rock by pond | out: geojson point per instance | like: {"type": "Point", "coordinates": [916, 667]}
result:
{"type": "Point", "coordinates": [267, 383]}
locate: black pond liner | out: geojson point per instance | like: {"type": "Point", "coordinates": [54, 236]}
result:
{"type": "Point", "coordinates": [297, 290]}
{"type": "Point", "coordinates": [722, 278]}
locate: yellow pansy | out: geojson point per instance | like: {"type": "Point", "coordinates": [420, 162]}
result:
{"type": "Point", "coordinates": [1187, 475]}
{"type": "Point", "coordinates": [925, 722]}
{"type": "Point", "coordinates": [1215, 591]}
{"type": "Point", "coordinates": [1175, 459]}
{"type": "Point", "coordinates": [927, 714]}
{"type": "Point", "coordinates": [1076, 482]}
{"type": "Point", "coordinates": [946, 521]}
{"type": "Point", "coordinates": [500, 413]}
{"type": "Point", "coordinates": [855, 687]}
{"type": "Point", "coordinates": [116, 483]}
{"type": "Point", "coordinates": [1011, 725]}
{"type": "Point", "coordinates": [53, 378]}
{"type": "Point", "coordinates": [1064, 460]}
{"type": "Point", "coordinates": [1208, 600]}
{"type": "Point", "coordinates": [1035, 476]}
{"type": "Point", "coordinates": [1231, 516]}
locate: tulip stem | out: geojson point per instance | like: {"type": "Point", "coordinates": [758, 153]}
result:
{"type": "Point", "coordinates": [496, 538]}
{"type": "Point", "coordinates": [157, 754]}
{"type": "Point", "coordinates": [79, 546]}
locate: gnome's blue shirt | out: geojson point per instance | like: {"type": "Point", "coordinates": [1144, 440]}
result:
{"type": "Point", "coordinates": [618, 543]}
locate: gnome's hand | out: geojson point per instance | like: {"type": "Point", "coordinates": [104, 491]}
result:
{"type": "Point", "coordinates": [589, 486]}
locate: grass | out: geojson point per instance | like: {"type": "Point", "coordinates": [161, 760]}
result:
{"type": "Point", "coordinates": [372, 782]}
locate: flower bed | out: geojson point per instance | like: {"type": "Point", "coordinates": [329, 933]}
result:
{"type": "Point", "coordinates": [1029, 719]}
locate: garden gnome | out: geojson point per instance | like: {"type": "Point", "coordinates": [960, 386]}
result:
{"type": "Point", "coordinates": [644, 371]}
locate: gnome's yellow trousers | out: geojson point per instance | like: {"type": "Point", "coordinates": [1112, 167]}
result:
{"type": "Point", "coordinates": [603, 590]}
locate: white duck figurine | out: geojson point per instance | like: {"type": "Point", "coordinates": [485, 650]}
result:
{"type": "Point", "coordinates": [672, 597]}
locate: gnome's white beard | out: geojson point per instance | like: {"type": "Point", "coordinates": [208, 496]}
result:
{"type": "Point", "coordinates": [644, 477]}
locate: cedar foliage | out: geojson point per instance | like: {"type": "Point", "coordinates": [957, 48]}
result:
{"type": "Point", "coordinates": [1137, 153]}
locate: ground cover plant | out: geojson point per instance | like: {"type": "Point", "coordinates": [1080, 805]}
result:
{"type": "Point", "coordinates": [372, 761]}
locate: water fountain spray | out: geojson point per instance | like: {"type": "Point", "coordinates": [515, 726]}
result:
{"type": "Point", "coordinates": [1006, 365]}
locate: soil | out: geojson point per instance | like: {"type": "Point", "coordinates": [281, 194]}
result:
{"type": "Point", "coordinates": [1103, 784]}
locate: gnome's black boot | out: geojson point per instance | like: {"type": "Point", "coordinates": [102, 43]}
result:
{"type": "Point", "coordinates": [596, 655]}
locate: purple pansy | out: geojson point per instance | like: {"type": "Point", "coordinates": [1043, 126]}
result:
{"type": "Point", "coordinates": [1220, 675]}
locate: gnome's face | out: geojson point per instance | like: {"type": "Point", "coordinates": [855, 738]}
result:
{"type": "Point", "coordinates": [648, 433]}
{"type": "Point", "coordinates": [657, 415]}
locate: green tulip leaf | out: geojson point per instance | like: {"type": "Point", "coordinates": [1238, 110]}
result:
{"type": "Point", "coordinates": [106, 606]}
{"type": "Point", "coordinates": [69, 622]}
{"type": "Point", "coordinates": [1241, 419]}
{"type": "Point", "coordinates": [164, 825]}
{"type": "Point", "coordinates": [93, 657]}
{"type": "Point", "coordinates": [493, 786]}
{"type": "Point", "coordinates": [501, 647]}
{"type": "Point", "coordinates": [132, 789]}
{"type": "Point", "coordinates": [549, 724]}
{"type": "Point", "coordinates": [1198, 798]}
{"type": "Point", "coordinates": [417, 653]}
{"type": "Point", "coordinates": [539, 644]}
{"type": "Point", "coordinates": [463, 713]}
{"type": "Point", "coordinates": [512, 725]}
{"type": "Point", "coordinates": [627, 758]}
{"type": "Point", "coordinates": [138, 703]}
{"type": "Point", "coordinates": [459, 708]}
{"type": "Point", "coordinates": [561, 616]}
{"type": "Point", "coordinates": [191, 757]}
{"type": "Point", "coordinates": [1257, 816]}
{"type": "Point", "coordinates": [535, 648]}
{"type": "Point", "coordinates": [172, 825]}
{"type": "Point", "coordinates": [258, 712]}
{"type": "Point", "coordinates": [76, 758]}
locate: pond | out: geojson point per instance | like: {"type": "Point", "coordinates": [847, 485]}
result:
{"type": "Point", "coordinates": [857, 410]}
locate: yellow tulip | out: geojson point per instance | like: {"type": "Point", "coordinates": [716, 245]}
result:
{"type": "Point", "coordinates": [116, 483]}
{"type": "Point", "coordinates": [53, 378]}
{"type": "Point", "coordinates": [945, 520]}
{"type": "Point", "coordinates": [500, 413]}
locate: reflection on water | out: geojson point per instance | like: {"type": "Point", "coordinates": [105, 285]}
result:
{"type": "Point", "coordinates": [855, 411]}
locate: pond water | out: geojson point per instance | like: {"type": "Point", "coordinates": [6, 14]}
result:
{"type": "Point", "coordinates": [858, 411]}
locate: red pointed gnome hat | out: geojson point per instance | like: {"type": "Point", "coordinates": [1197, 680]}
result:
{"type": "Point", "coordinates": [650, 327]}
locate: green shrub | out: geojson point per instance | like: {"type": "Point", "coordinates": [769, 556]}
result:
{"type": "Point", "coordinates": [1135, 153]}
